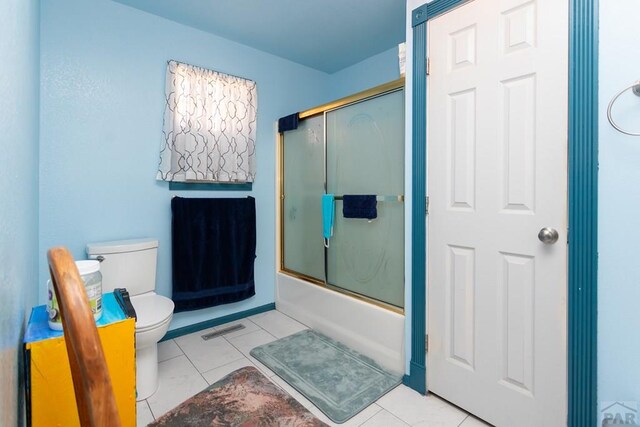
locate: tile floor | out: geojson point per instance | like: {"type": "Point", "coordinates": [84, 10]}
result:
{"type": "Point", "coordinates": [189, 364]}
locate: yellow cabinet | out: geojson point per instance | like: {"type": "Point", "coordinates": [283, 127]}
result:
{"type": "Point", "coordinates": [50, 396]}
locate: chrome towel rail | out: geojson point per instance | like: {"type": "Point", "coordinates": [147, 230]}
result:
{"type": "Point", "coordinates": [635, 88]}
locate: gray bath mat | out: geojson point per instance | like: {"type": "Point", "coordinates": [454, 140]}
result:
{"type": "Point", "coordinates": [338, 380]}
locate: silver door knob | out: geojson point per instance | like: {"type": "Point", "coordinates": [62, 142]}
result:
{"type": "Point", "coordinates": [548, 236]}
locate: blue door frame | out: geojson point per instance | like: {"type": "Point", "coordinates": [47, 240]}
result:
{"type": "Point", "coordinates": [582, 205]}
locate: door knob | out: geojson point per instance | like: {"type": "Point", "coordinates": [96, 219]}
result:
{"type": "Point", "coordinates": [548, 236]}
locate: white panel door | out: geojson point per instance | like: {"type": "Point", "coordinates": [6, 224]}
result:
{"type": "Point", "coordinates": [497, 175]}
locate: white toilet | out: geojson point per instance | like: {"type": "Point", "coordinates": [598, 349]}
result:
{"type": "Point", "coordinates": [131, 264]}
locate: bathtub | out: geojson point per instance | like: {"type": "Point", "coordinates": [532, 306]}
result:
{"type": "Point", "coordinates": [371, 330]}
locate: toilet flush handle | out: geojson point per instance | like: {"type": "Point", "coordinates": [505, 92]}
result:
{"type": "Point", "coordinates": [100, 258]}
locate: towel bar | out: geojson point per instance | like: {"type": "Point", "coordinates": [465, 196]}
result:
{"type": "Point", "coordinates": [399, 198]}
{"type": "Point", "coordinates": [635, 88]}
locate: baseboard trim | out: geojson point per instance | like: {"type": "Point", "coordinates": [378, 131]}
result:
{"type": "Point", "coordinates": [417, 378]}
{"type": "Point", "coordinates": [185, 330]}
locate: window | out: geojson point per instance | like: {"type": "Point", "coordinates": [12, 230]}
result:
{"type": "Point", "coordinates": [209, 132]}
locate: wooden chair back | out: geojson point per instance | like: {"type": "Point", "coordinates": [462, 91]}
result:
{"type": "Point", "coordinates": [91, 381]}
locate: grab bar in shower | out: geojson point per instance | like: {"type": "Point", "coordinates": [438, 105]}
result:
{"type": "Point", "coordinates": [399, 198]}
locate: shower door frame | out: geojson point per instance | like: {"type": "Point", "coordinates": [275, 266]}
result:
{"type": "Point", "coordinates": [381, 90]}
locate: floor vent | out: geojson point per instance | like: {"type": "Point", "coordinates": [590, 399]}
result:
{"type": "Point", "coordinates": [223, 331]}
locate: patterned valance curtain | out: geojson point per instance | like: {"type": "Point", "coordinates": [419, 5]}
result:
{"type": "Point", "coordinates": [209, 130]}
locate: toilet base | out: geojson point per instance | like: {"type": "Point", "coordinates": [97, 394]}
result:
{"type": "Point", "coordinates": [146, 371]}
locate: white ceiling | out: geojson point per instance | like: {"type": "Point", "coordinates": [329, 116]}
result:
{"type": "Point", "coordinates": [327, 35]}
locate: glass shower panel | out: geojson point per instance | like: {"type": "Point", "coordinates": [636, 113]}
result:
{"type": "Point", "coordinates": [303, 169]}
{"type": "Point", "coordinates": [365, 155]}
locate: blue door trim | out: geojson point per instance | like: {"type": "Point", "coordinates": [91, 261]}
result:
{"type": "Point", "coordinates": [583, 213]}
{"type": "Point", "coordinates": [583, 204]}
{"type": "Point", "coordinates": [417, 368]}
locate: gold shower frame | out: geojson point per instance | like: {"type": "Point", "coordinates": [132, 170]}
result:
{"type": "Point", "coordinates": [321, 110]}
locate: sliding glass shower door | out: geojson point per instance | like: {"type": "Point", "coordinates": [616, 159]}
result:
{"type": "Point", "coordinates": [365, 155]}
{"type": "Point", "coordinates": [353, 149]}
{"type": "Point", "coordinates": [303, 179]}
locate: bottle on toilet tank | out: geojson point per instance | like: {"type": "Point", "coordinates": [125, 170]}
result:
{"type": "Point", "coordinates": [92, 278]}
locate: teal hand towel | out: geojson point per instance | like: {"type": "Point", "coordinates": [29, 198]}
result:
{"type": "Point", "coordinates": [327, 215]}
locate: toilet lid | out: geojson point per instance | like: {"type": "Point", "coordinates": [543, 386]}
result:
{"type": "Point", "coordinates": [151, 309]}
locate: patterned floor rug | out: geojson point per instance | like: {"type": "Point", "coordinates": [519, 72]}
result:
{"type": "Point", "coordinates": [242, 398]}
{"type": "Point", "coordinates": [338, 380]}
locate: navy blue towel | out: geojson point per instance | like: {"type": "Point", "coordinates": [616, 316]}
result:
{"type": "Point", "coordinates": [289, 122]}
{"type": "Point", "coordinates": [359, 206]}
{"type": "Point", "coordinates": [213, 251]}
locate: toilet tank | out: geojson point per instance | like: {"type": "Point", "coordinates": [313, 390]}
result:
{"type": "Point", "coordinates": [127, 264]}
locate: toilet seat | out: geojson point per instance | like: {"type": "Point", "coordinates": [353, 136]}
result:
{"type": "Point", "coordinates": [152, 310]}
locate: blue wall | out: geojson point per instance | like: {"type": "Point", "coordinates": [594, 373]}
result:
{"type": "Point", "coordinates": [373, 71]}
{"type": "Point", "coordinates": [19, 188]}
{"type": "Point", "coordinates": [619, 205]}
{"type": "Point", "coordinates": [103, 67]}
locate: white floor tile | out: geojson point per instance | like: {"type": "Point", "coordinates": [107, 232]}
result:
{"type": "Point", "coordinates": [472, 421]}
{"type": "Point", "coordinates": [384, 419]}
{"type": "Point", "coordinates": [246, 343]}
{"type": "Point", "coordinates": [277, 324]}
{"type": "Point", "coordinates": [259, 315]}
{"type": "Point", "coordinates": [168, 350]}
{"type": "Point", "coordinates": [209, 354]}
{"type": "Point", "coordinates": [178, 380]}
{"type": "Point", "coordinates": [249, 327]}
{"type": "Point", "coordinates": [357, 420]}
{"type": "Point", "coordinates": [143, 414]}
{"type": "Point", "coordinates": [415, 409]}
{"type": "Point", "coordinates": [217, 374]}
